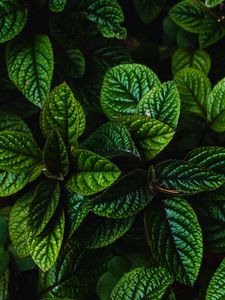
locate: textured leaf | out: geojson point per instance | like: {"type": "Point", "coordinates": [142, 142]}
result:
{"type": "Point", "coordinates": [111, 139]}
{"type": "Point", "coordinates": [189, 15]}
{"type": "Point", "coordinates": [148, 10]}
{"type": "Point", "coordinates": [18, 151]}
{"type": "Point", "coordinates": [215, 289]}
{"type": "Point", "coordinates": [4, 283]}
{"type": "Point", "coordinates": [63, 113]}
{"type": "Point", "coordinates": [187, 178]}
{"type": "Point", "coordinates": [18, 222]}
{"type": "Point", "coordinates": [105, 231]}
{"type": "Point", "coordinates": [57, 5]}
{"type": "Point", "coordinates": [197, 59]}
{"type": "Point", "coordinates": [45, 247]}
{"type": "Point", "coordinates": [108, 16]}
{"type": "Point", "coordinates": [212, 3]}
{"type": "Point", "coordinates": [30, 67]}
{"type": "Point", "coordinates": [150, 135]}
{"type": "Point", "coordinates": [162, 103]}
{"type": "Point", "coordinates": [194, 88]}
{"type": "Point", "coordinates": [124, 86]}
{"type": "Point", "coordinates": [72, 63]}
{"type": "Point", "coordinates": [142, 283]}
{"type": "Point", "coordinates": [93, 173]}
{"type": "Point", "coordinates": [216, 107]}
{"type": "Point", "coordinates": [55, 156]}
{"type": "Point", "coordinates": [12, 122]}
{"type": "Point", "coordinates": [13, 18]}
{"type": "Point", "coordinates": [123, 199]}
{"type": "Point", "coordinates": [43, 206]}
{"type": "Point", "coordinates": [175, 238]}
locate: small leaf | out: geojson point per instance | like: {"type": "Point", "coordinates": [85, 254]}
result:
{"type": "Point", "coordinates": [111, 139]}
{"type": "Point", "coordinates": [13, 18]}
{"type": "Point", "coordinates": [18, 151]}
{"type": "Point", "coordinates": [4, 260]}
{"type": "Point", "coordinates": [12, 122]}
{"type": "Point", "coordinates": [57, 5]}
{"type": "Point", "coordinates": [142, 283]}
{"type": "Point", "coordinates": [72, 62]}
{"type": "Point", "coordinates": [43, 206]}
{"type": "Point", "coordinates": [18, 222]}
{"type": "Point", "coordinates": [216, 107]}
{"type": "Point", "coordinates": [105, 231]}
{"type": "Point", "coordinates": [150, 135]}
{"type": "Point", "coordinates": [187, 178]}
{"type": "Point", "coordinates": [148, 10]}
{"type": "Point", "coordinates": [215, 289]}
{"type": "Point", "coordinates": [162, 103]}
{"type": "Point", "coordinates": [4, 284]}
{"type": "Point", "coordinates": [194, 88]}
{"type": "Point", "coordinates": [175, 238]}
{"type": "Point", "coordinates": [189, 15]}
{"type": "Point", "coordinates": [123, 88]}
{"type": "Point", "coordinates": [63, 113]}
{"type": "Point", "coordinates": [45, 247]}
{"type": "Point", "coordinates": [55, 156]}
{"type": "Point", "coordinates": [4, 234]}
{"type": "Point", "coordinates": [108, 16]}
{"type": "Point", "coordinates": [212, 3]}
{"type": "Point", "coordinates": [30, 67]}
{"type": "Point", "coordinates": [93, 173]}
{"type": "Point", "coordinates": [197, 59]}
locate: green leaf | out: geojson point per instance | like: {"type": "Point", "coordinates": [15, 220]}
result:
{"type": "Point", "coordinates": [187, 178]}
{"type": "Point", "coordinates": [125, 198]}
{"type": "Point", "coordinates": [175, 238]}
{"type": "Point", "coordinates": [18, 223]}
{"type": "Point", "coordinates": [104, 232]}
{"type": "Point", "coordinates": [162, 103]}
{"type": "Point", "coordinates": [18, 151]}
{"type": "Point", "coordinates": [30, 67]}
{"type": "Point", "coordinates": [108, 16]}
{"type": "Point", "coordinates": [142, 283]}
{"type": "Point", "coordinates": [194, 88]}
{"type": "Point", "coordinates": [12, 122]}
{"type": "Point", "coordinates": [44, 248]}
{"type": "Point", "coordinates": [150, 135]}
{"type": "Point", "coordinates": [187, 57]}
{"type": "Point", "coordinates": [57, 5]}
{"type": "Point", "coordinates": [43, 206]}
{"type": "Point", "coordinates": [123, 88]}
{"type": "Point", "coordinates": [4, 260]}
{"type": "Point", "coordinates": [216, 107]}
{"type": "Point", "coordinates": [93, 173]}
{"type": "Point", "coordinates": [55, 156]}
{"type": "Point", "coordinates": [215, 289]}
{"type": "Point", "coordinates": [13, 18]}
{"type": "Point", "coordinates": [111, 139]}
{"type": "Point", "coordinates": [211, 31]}
{"type": "Point", "coordinates": [63, 113]}
{"type": "Point", "coordinates": [189, 15]}
{"type": "Point", "coordinates": [212, 3]}
{"type": "Point", "coordinates": [4, 234]}
{"type": "Point", "coordinates": [148, 10]}
{"type": "Point", "coordinates": [4, 283]}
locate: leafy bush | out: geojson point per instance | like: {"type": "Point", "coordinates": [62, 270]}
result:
{"type": "Point", "coordinates": [112, 158]}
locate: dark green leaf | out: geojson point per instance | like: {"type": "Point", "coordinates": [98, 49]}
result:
{"type": "Point", "coordinates": [72, 63]}
{"type": "Point", "coordinates": [148, 10]}
{"type": "Point", "coordinates": [4, 282]}
{"type": "Point", "coordinates": [4, 234]}
{"type": "Point", "coordinates": [4, 260]}
{"type": "Point", "coordinates": [12, 122]}
{"type": "Point", "coordinates": [57, 5]}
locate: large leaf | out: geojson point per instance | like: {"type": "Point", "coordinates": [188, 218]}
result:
{"type": "Point", "coordinates": [111, 139]}
{"type": "Point", "coordinates": [215, 289]}
{"type": "Point", "coordinates": [212, 3]}
{"type": "Point", "coordinates": [63, 113]}
{"type": "Point", "coordinates": [55, 156]}
{"type": "Point", "coordinates": [18, 222]}
{"type": "Point", "coordinates": [123, 88]}
{"type": "Point", "coordinates": [162, 103]}
{"type": "Point", "coordinates": [57, 5]}
{"type": "Point", "coordinates": [18, 151]}
{"type": "Point", "coordinates": [12, 122]}
{"type": "Point", "coordinates": [108, 16]}
{"type": "Point", "coordinates": [194, 88]}
{"type": "Point", "coordinates": [45, 247]}
{"type": "Point", "coordinates": [188, 14]}
{"type": "Point", "coordinates": [93, 173]}
{"type": "Point", "coordinates": [43, 206]}
{"type": "Point", "coordinates": [148, 10]}
{"type": "Point", "coordinates": [186, 178]}
{"type": "Point", "coordinates": [13, 18]}
{"type": "Point", "coordinates": [216, 107]}
{"type": "Point", "coordinates": [175, 238]}
{"type": "Point", "coordinates": [150, 135]}
{"type": "Point", "coordinates": [187, 57]}
{"type": "Point", "coordinates": [30, 67]}
{"type": "Point", "coordinates": [142, 283]}
{"type": "Point", "coordinates": [125, 198]}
